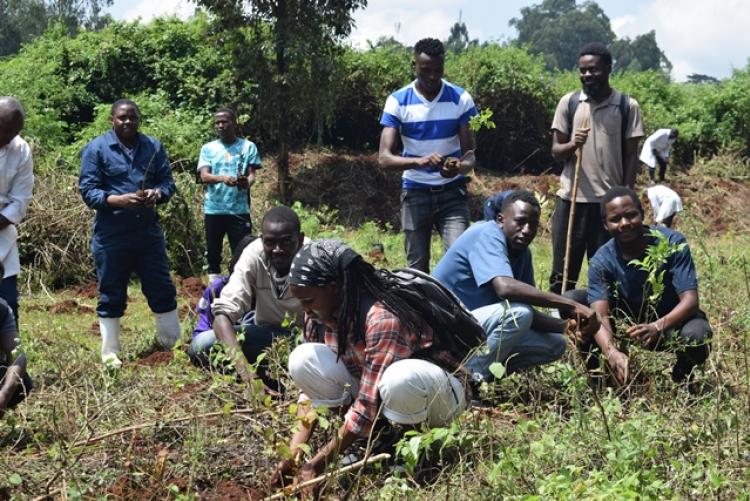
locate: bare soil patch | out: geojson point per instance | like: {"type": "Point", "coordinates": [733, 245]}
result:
{"type": "Point", "coordinates": [69, 306]}
{"type": "Point", "coordinates": [156, 358]}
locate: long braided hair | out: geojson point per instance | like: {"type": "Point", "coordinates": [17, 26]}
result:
{"type": "Point", "coordinates": [325, 261]}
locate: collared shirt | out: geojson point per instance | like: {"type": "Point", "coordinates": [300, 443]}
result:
{"type": "Point", "coordinates": [613, 279]}
{"type": "Point", "coordinates": [478, 256]}
{"type": "Point", "coordinates": [16, 188]}
{"type": "Point", "coordinates": [428, 127]}
{"type": "Point", "coordinates": [601, 165]}
{"type": "Point", "coordinates": [386, 340]}
{"type": "Point", "coordinates": [107, 170]}
{"type": "Point", "coordinates": [252, 280]}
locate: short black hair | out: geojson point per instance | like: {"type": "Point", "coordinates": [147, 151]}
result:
{"type": "Point", "coordinates": [616, 192]}
{"type": "Point", "coordinates": [237, 251]}
{"type": "Point", "coordinates": [429, 46]}
{"type": "Point", "coordinates": [12, 109]}
{"type": "Point", "coordinates": [520, 195]}
{"type": "Point", "coordinates": [228, 111]}
{"type": "Point", "coordinates": [596, 49]}
{"type": "Point", "coordinates": [282, 214]}
{"type": "Point", "coordinates": [124, 102]}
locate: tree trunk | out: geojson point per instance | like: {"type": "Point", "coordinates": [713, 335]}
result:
{"type": "Point", "coordinates": [285, 182]}
{"type": "Point", "coordinates": [282, 38]}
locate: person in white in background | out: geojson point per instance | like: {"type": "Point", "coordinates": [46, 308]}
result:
{"type": "Point", "coordinates": [16, 186]}
{"type": "Point", "coordinates": [656, 151]}
{"type": "Point", "coordinates": [665, 203]}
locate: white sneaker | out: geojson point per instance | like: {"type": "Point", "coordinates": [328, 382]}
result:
{"type": "Point", "coordinates": [111, 360]}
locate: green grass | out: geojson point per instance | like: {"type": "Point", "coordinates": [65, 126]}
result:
{"type": "Point", "coordinates": [546, 438]}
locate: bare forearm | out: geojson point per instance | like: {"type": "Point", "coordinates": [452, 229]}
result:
{"type": "Point", "coordinates": [546, 323]}
{"type": "Point", "coordinates": [389, 161]}
{"type": "Point", "coordinates": [563, 151]}
{"type": "Point", "coordinates": [517, 291]}
{"type": "Point", "coordinates": [330, 451]}
{"type": "Point", "coordinates": [629, 172]}
{"type": "Point", "coordinates": [468, 163]}
{"type": "Point", "coordinates": [686, 308]}
{"type": "Point", "coordinates": [12, 378]}
{"type": "Point", "coordinates": [211, 179]}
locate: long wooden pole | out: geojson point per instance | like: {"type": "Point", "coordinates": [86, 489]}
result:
{"type": "Point", "coordinates": [572, 213]}
{"type": "Point", "coordinates": [314, 481]}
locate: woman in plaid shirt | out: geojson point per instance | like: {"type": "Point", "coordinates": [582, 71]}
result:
{"type": "Point", "coordinates": [366, 352]}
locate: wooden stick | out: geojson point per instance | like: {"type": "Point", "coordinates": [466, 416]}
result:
{"type": "Point", "coordinates": [136, 427]}
{"type": "Point", "coordinates": [314, 481]}
{"type": "Point", "coordinates": [571, 214]}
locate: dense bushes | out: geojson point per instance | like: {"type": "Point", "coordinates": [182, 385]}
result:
{"type": "Point", "coordinates": [179, 72]}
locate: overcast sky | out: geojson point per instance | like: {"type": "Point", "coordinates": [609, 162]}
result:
{"type": "Point", "coordinates": [698, 36]}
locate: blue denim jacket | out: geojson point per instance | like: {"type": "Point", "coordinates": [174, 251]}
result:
{"type": "Point", "coordinates": [107, 170]}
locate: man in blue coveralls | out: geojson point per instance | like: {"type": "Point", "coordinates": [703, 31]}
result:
{"type": "Point", "coordinates": [124, 175]}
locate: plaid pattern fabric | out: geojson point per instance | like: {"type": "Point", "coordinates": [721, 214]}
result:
{"type": "Point", "coordinates": [385, 341]}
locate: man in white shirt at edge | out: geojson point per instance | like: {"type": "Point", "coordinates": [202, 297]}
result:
{"type": "Point", "coordinates": [16, 187]}
{"type": "Point", "coordinates": [656, 151]}
{"type": "Point", "coordinates": [665, 204]}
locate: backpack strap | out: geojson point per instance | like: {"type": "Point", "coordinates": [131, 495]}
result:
{"type": "Point", "coordinates": [624, 115]}
{"type": "Point", "coordinates": [575, 99]}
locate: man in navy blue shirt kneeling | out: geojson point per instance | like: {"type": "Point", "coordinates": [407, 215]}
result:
{"type": "Point", "coordinates": [490, 269]}
{"type": "Point", "coordinates": [619, 293]}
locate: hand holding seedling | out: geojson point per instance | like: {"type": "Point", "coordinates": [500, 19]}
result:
{"type": "Point", "coordinates": [451, 167]}
{"type": "Point", "coordinates": [619, 364]}
{"type": "Point", "coordinates": [583, 324]}
{"type": "Point", "coordinates": [307, 472]}
{"type": "Point", "coordinates": [644, 334]}
{"type": "Point", "coordinates": [433, 160]}
{"type": "Point", "coordinates": [229, 180]}
{"type": "Point", "coordinates": [126, 201]}
{"type": "Point", "coordinates": [150, 197]}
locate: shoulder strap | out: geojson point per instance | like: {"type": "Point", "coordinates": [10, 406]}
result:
{"type": "Point", "coordinates": [624, 115]}
{"type": "Point", "coordinates": [573, 102]}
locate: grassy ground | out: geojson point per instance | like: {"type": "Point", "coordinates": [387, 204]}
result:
{"type": "Point", "coordinates": [161, 428]}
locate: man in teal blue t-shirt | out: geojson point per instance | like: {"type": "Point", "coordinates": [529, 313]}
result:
{"type": "Point", "coordinates": [227, 166]}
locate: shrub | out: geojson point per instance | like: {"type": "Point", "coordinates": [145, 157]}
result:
{"type": "Point", "coordinates": [517, 88]}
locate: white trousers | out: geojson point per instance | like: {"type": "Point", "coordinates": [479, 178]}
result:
{"type": "Point", "coordinates": [411, 391]}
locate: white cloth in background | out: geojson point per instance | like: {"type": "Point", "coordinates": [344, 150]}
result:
{"type": "Point", "coordinates": [658, 141]}
{"type": "Point", "coordinates": [16, 188]}
{"type": "Point", "coordinates": [664, 202]}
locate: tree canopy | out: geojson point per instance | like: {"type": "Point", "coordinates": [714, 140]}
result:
{"type": "Point", "coordinates": [23, 20]}
{"type": "Point", "coordinates": [639, 54]}
{"type": "Point", "coordinates": [556, 29]}
{"type": "Point", "coordinates": [295, 66]}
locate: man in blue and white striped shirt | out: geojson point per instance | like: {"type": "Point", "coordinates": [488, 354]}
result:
{"type": "Point", "coordinates": [431, 116]}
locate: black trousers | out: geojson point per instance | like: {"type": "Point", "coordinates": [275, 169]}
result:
{"type": "Point", "coordinates": [662, 168]}
{"type": "Point", "coordinates": [588, 235]}
{"type": "Point", "coordinates": [217, 225]}
{"type": "Point", "coordinates": [690, 342]}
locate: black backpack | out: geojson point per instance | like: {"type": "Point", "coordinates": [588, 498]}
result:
{"type": "Point", "coordinates": [439, 307]}
{"type": "Point", "coordinates": [624, 114]}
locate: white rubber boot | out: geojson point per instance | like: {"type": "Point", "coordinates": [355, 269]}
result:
{"type": "Point", "coordinates": [168, 328]}
{"type": "Point", "coordinates": [110, 331]}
